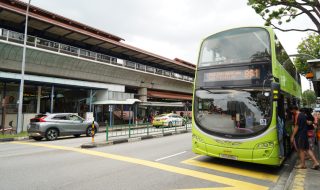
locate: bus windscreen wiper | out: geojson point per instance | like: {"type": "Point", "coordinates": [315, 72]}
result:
{"type": "Point", "coordinates": [228, 87]}
{"type": "Point", "coordinates": [206, 89]}
{"type": "Point", "coordinates": [232, 88]}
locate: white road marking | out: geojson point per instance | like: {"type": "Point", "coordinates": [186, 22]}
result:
{"type": "Point", "coordinates": [170, 156]}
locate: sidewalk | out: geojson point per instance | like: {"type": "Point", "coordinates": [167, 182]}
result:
{"type": "Point", "coordinates": [307, 179]}
{"type": "Point", "coordinates": [135, 135]}
{"type": "Point", "coordinates": [102, 129]}
{"type": "Point", "coordinates": [119, 134]}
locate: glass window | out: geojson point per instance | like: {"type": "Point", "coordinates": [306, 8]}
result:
{"type": "Point", "coordinates": [74, 118]}
{"type": "Point", "coordinates": [284, 60]}
{"type": "Point", "coordinates": [235, 46]}
{"type": "Point", "coordinates": [232, 112]}
{"type": "Point", "coordinates": [60, 117]}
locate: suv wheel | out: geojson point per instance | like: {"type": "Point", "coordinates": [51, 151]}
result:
{"type": "Point", "coordinates": [52, 134]}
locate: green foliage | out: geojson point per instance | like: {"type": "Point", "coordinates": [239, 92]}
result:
{"type": "Point", "coordinates": [309, 46]}
{"type": "Point", "coordinates": [308, 98]}
{"type": "Point", "coordinates": [4, 136]}
{"type": "Point", "coordinates": [284, 11]}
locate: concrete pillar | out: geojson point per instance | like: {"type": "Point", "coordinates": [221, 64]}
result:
{"type": "Point", "coordinates": [142, 92]}
{"type": "Point", "coordinates": [4, 105]}
{"type": "Point", "coordinates": [38, 99]}
{"type": "Point", "coordinates": [90, 101]}
{"type": "Point", "coordinates": [51, 100]}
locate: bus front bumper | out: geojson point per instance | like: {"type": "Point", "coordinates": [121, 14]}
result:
{"type": "Point", "coordinates": [268, 156]}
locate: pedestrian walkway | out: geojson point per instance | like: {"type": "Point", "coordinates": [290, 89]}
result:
{"type": "Point", "coordinates": [307, 179]}
{"type": "Point", "coordinates": [130, 133]}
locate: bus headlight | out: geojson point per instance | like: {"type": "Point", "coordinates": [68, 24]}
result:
{"type": "Point", "coordinates": [265, 145]}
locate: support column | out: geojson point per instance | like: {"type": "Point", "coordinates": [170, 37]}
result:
{"type": "Point", "coordinates": [39, 99]}
{"type": "Point", "coordinates": [4, 104]}
{"type": "Point", "coordinates": [90, 107]}
{"type": "Point", "coordinates": [129, 115]}
{"type": "Point", "coordinates": [51, 100]}
{"type": "Point", "coordinates": [142, 92]}
{"type": "Point", "coordinates": [136, 113]}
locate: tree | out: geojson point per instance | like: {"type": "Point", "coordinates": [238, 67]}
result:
{"type": "Point", "coordinates": [308, 98]}
{"type": "Point", "coordinates": [309, 46]}
{"type": "Point", "coordinates": [287, 10]}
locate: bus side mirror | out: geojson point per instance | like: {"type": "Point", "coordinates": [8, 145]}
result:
{"type": "Point", "coordinates": [275, 90]}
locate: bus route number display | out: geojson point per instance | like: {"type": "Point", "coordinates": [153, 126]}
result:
{"type": "Point", "coordinates": [247, 74]}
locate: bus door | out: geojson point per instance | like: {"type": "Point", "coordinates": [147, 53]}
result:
{"type": "Point", "coordinates": [281, 129]}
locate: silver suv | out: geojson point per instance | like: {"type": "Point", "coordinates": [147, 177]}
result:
{"type": "Point", "coordinates": [51, 126]}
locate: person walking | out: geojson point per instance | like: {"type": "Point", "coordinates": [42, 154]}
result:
{"type": "Point", "coordinates": [311, 128]}
{"type": "Point", "coordinates": [300, 138]}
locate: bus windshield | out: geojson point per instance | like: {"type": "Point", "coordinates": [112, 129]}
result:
{"type": "Point", "coordinates": [235, 46]}
{"type": "Point", "coordinates": [232, 112]}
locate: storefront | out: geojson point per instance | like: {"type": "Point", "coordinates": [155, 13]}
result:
{"type": "Point", "coordinates": [47, 94]}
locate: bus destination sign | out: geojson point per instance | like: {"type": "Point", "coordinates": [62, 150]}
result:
{"type": "Point", "coordinates": [247, 74]}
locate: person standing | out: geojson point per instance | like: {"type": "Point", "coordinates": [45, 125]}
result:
{"type": "Point", "coordinates": [300, 138]}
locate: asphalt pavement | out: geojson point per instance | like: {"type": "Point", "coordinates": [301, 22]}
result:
{"type": "Point", "coordinates": [159, 163]}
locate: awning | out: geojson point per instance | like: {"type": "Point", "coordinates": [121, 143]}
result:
{"type": "Point", "coordinates": [61, 81]}
{"type": "Point", "coordinates": [163, 104]}
{"type": "Point", "coordinates": [114, 102]}
{"type": "Point", "coordinates": [169, 95]}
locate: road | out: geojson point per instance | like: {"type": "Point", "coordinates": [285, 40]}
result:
{"type": "Point", "coordinates": [159, 163]}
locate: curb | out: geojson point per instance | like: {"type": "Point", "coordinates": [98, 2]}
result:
{"type": "Point", "coordinates": [14, 139]}
{"type": "Point", "coordinates": [289, 183]}
{"type": "Point", "coordinates": [132, 139]}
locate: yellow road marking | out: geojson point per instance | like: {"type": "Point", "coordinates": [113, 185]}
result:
{"type": "Point", "coordinates": [236, 184]}
{"type": "Point", "coordinates": [215, 188]}
{"type": "Point", "coordinates": [232, 170]}
{"type": "Point", "coordinates": [299, 178]}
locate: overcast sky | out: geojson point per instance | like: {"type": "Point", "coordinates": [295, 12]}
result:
{"type": "Point", "coordinates": [170, 28]}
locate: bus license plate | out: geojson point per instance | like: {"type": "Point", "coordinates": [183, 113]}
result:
{"type": "Point", "coordinates": [226, 156]}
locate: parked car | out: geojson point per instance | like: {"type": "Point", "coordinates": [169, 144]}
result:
{"type": "Point", "coordinates": [169, 120]}
{"type": "Point", "coordinates": [51, 126]}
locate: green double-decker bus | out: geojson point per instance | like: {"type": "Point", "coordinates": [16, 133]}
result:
{"type": "Point", "coordinates": [244, 86]}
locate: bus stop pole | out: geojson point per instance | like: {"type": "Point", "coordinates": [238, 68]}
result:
{"type": "Point", "coordinates": [110, 122]}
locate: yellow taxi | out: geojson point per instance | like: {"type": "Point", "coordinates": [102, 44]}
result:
{"type": "Point", "coordinates": [169, 119]}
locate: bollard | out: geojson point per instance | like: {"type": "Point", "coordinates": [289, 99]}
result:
{"type": "Point", "coordinates": [107, 132]}
{"type": "Point", "coordinates": [92, 132]}
{"type": "Point", "coordinates": [175, 126]}
{"type": "Point", "coordinates": [187, 122]}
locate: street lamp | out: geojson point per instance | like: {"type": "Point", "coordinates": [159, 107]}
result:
{"type": "Point", "coordinates": [19, 119]}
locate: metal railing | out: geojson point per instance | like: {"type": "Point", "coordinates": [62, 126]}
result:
{"type": "Point", "coordinates": [16, 37]}
{"type": "Point", "coordinates": [144, 129]}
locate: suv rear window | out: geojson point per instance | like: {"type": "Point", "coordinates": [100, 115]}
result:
{"type": "Point", "coordinates": [60, 117]}
{"type": "Point", "coordinates": [39, 116]}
